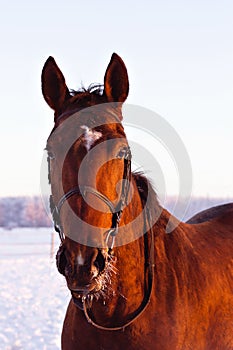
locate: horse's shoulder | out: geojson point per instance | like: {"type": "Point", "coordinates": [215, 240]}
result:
{"type": "Point", "coordinates": [221, 213]}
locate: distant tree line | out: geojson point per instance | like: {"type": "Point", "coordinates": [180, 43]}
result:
{"type": "Point", "coordinates": [24, 212]}
{"type": "Point", "coordinates": [33, 212]}
{"type": "Point", "coordinates": [196, 205]}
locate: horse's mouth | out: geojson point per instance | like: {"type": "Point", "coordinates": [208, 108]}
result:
{"type": "Point", "coordinates": [78, 296]}
{"type": "Point", "coordinates": [88, 291]}
{"type": "Point", "coordinates": [78, 301]}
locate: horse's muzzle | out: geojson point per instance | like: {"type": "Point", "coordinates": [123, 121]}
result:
{"type": "Point", "coordinates": [81, 279]}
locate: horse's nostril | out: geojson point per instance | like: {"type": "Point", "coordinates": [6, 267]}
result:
{"type": "Point", "coordinates": [61, 260]}
{"type": "Point", "coordinates": [100, 261]}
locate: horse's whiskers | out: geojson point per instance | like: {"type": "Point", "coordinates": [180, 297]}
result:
{"type": "Point", "coordinates": [113, 269]}
{"type": "Point", "coordinates": [105, 280]}
{"type": "Point", "coordinates": [122, 296]}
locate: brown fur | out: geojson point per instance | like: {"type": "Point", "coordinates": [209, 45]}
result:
{"type": "Point", "coordinates": [192, 297]}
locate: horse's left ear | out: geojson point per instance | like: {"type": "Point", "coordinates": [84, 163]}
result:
{"type": "Point", "coordinates": [116, 83]}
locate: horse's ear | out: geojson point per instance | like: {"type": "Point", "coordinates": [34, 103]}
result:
{"type": "Point", "coordinates": [116, 83]}
{"type": "Point", "coordinates": [54, 87]}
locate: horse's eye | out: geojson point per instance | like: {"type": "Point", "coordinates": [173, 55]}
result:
{"type": "Point", "coordinates": [50, 155]}
{"type": "Point", "coordinates": [124, 153]}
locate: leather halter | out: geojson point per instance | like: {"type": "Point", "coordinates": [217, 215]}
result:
{"type": "Point", "coordinates": [82, 190]}
{"type": "Point", "coordinates": [125, 154]}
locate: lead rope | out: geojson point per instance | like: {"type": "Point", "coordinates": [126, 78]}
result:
{"type": "Point", "coordinates": [87, 302]}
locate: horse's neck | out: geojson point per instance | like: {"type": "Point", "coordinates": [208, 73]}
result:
{"type": "Point", "coordinates": [177, 263]}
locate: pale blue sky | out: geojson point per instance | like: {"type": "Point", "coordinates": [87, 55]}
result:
{"type": "Point", "coordinates": [179, 56]}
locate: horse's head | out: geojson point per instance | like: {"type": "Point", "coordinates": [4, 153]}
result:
{"type": "Point", "coordinates": [89, 165]}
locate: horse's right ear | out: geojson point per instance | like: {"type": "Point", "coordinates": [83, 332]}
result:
{"type": "Point", "coordinates": [53, 83]}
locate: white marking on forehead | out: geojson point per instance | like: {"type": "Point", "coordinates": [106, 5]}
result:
{"type": "Point", "coordinates": [80, 259]}
{"type": "Point", "coordinates": [90, 136]}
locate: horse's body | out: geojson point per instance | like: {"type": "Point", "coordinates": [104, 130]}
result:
{"type": "Point", "coordinates": [179, 298]}
{"type": "Point", "coordinates": [211, 213]}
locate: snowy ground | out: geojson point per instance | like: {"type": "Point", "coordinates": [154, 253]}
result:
{"type": "Point", "coordinates": [33, 295]}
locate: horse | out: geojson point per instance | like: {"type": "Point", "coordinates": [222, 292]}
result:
{"type": "Point", "coordinates": [132, 284]}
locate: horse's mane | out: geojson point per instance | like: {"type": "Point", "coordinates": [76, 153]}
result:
{"type": "Point", "coordinates": [94, 88]}
{"type": "Point", "coordinates": [86, 97]}
{"type": "Point", "coordinates": [144, 186]}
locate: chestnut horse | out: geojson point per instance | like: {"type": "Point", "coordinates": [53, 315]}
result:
{"type": "Point", "coordinates": [133, 286]}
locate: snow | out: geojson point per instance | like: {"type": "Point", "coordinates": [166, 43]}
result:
{"type": "Point", "coordinates": [33, 295]}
